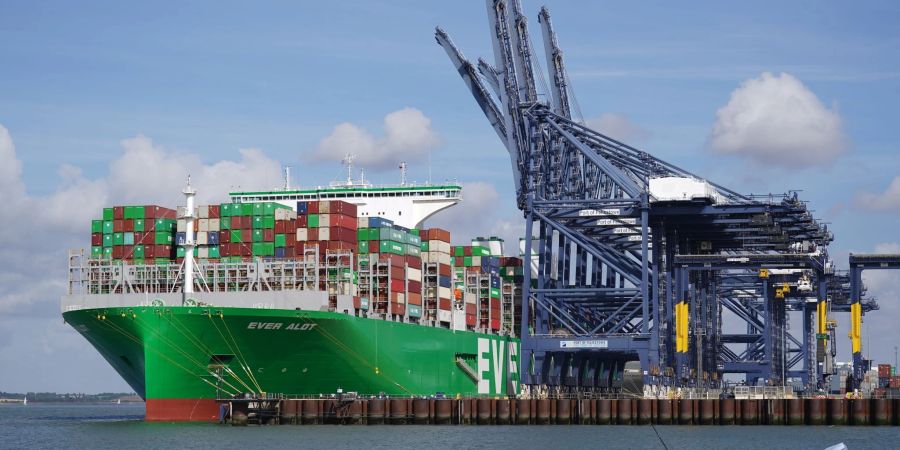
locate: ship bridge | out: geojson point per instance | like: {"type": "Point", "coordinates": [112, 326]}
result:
{"type": "Point", "coordinates": [405, 205]}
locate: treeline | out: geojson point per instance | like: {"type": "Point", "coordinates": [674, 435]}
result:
{"type": "Point", "coordinates": [71, 398]}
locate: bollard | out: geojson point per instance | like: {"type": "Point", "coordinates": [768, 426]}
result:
{"type": "Point", "coordinates": [504, 416]}
{"type": "Point", "coordinates": [685, 411]}
{"type": "Point", "coordinates": [309, 411]}
{"type": "Point", "coordinates": [726, 408]}
{"type": "Point", "coordinates": [375, 411]}
{"type": "Point", "coordinates": [543, 411]}
{"type": "Point", "coordinates": [288, 414]}
{"type": "Point", "coordinates": [563, 411]}
{"type": "Point", "coordinates": [483, 411]}
{"type": "Point", "coordinates": [624, 410]}
{"type": "Point", "coordinates": [664, 406]}
{"type": "Point", "coordinates": [645, 411]}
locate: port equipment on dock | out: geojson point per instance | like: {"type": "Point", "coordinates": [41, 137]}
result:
{"type": "Point", "coordinates": [638, 260]}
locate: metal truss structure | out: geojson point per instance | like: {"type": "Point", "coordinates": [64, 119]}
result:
{"type": "Point", "coordinates": [629, 273]}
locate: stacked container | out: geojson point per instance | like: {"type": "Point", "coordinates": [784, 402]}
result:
{"type": "Point", "coordinates": [390, 257]}
{"type": "Point", "coordinates": [437, 265]}
{"type": "Point", "coordinates": [478, 276]}
{"type": "Point", "coordinates": [137, 234]}
{"type": "Point", "coordinates": [329, 225]}
{"type": "Point", "coordinates": [247, 230]}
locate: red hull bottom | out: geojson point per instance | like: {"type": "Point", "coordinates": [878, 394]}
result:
{"type": "Point", "coordinates": [182, 410]}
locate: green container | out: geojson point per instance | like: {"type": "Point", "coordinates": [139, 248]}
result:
{"type": "Point", "coordinates": [280, 240]}
{"type": "Point", "coordinates": [129, 212]}
{"type": "Point", "coordinates": [263, 249]}
{"type": "Point", "coordinates": [213, 251]}
{"type": "Point", "coordinates": [236, 237]}
{"type": "Point", "coordinates": [246, 209]}
{"type": "Point", "coordinates": [259, 209]}
{"type": "Point", "coordinates": [137, 212]}
{"type": "Point", "coordinates": [363, 246]}
{"type": "Point", "coordinates": [268, 209]}
{"type": "Point", "coordinates": [362, 234]}
{"type": "Point", "coordinates": [415, 232]}
{"type": "Point", "coordinates": [269, 222]}
{"type": "Point", "coordinates": [162, 261]}
{"type": "Point", "coordinates": [480, 251]}
{"type": "Point", "coordinates": [128, 238]}
{"type": "Point", "coordinates": [139, 261]}
{"type": "Point", "coordinates": [138, 252]}
{"type": "Point", "coordinates": [118, 238]}
{"type": "Point", "coordinates": [108, 227]}
{"type": "Point", "coordinates": [495, 293]}
{"type": "Point", "coordinates": [391, 247]}
{"type": "Point", "coordinates": [312, 221]}
{"type": "Point", "coordinates": [96, 251]}
{"type": "Point", "coordinates": [458, 251]}
{"type": "Point", "coordinates": [413, 239]}
{"type": "Point", "coordinates": [423, 246]}
{"type": "Point", "coordinates": [107, 240]}
{"type": "Point", "coordinates": [138, 224]}
{"type": "Point", "coordinates": [96, 226]}
{"type": "Point", "coordinates": [224, 223]}
{"type": "Point", "coordinates": [258, 235]}
{"type": "Point", "coordinates": [414, 310]}
{"type": "Point", "coordinates": [162, 237]}
{"type": "Point", "coordinates": [107, 214]}
{"type": "Point", "coordinates": [412, 250]}
{"type": "Point", "coordinates": [164, 225]}
{"type": "Point", "coordinates": [107, 252]}
{"type": "Point", "coordinates": [224, 210]}
{"type": "Point", "coordinates": [467, 261]}
{"type": "Point", "coordinates": [258, 222]}
{"type": "Point", "coordinates": [179, 252]}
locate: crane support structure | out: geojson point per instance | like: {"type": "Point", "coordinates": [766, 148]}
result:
{"type": "Point", "coordinates": [640, 261]}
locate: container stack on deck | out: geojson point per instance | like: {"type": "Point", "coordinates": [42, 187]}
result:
{"type": "Point", "coordinates": [437, 267]}
{"type": "Point", "coordinates": [244, 231]}
{"type": "Point", "coordinates": [135, 234]}
{"type": "Point", "coordinates": [478, 275]}
{"type": "Point", "coordinates": [390, 268]}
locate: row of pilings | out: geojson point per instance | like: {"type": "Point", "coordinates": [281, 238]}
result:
{"type": "Point", "coordinates": [642, 411]}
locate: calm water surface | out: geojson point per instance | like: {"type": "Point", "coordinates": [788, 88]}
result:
{"type": "Point", "coordinates": [122, 426]}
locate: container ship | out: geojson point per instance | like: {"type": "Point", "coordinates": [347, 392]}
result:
{"type": "Point", "coordinates": [293, 294]}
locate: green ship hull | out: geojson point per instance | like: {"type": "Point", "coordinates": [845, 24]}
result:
{"type": "Point", "coordinates": [180, 359]}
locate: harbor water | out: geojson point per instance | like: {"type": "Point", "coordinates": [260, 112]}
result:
{"type": "Point", "coordinates": [122, 426]}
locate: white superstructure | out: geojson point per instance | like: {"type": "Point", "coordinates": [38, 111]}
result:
{"type": "Point", "coordinates": [407, 205]}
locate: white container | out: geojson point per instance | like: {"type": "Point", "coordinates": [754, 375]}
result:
{"type": "Point", "coordinates": [214, 225]}
{"type": "Point", "coordinates": [681, 189]}
{"type": "Point", "coordinates": [203, 225]}
{"type": "Point", "coordinates": [444, 316]}
{"type": "Point", "coordinates": [324, 222]}
{"type": "Point", "coordinates": [203, 252]}
{"type": "Point", "coordinates": [202, 238]}
{"type": "Point", "coordinates": [203, 212]}
{"type": "Point", "coordinates": [362, 222]}
{"type": "Point", "coordinates": [413, 274]}
{"type": "Point", "coordinates": [324, 234]}
{"type": "Point", "coordinates": [302, 234]}
{"type": "Point", "coordinates": [181, 226]}
{"type": "Point", "coordinates": [444, 292]}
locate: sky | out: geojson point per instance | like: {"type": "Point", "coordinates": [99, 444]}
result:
{"type": "Point", "coordinates": [107, 103]}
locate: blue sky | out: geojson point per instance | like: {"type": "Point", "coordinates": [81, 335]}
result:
{"type": "Point", "coordinates": [209, 78]}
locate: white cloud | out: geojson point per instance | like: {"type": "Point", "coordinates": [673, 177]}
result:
{"type": "Point", "coordinates": [480, 214]}
{"type": "Point", "coordinates": [889, 200]}
{"type": "Point", "coordinates": [618, 127]}
{"type": "Point", "coordinates": [777, 121]}
{"type": "Point", "coordinates": [408, 136]}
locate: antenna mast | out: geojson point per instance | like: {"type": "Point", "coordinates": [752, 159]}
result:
{"type": "Point", "coordinates": [403, 173]}
{"type": "Point", "coordinates": [188, 216]}
{"type": "Point", "coordinates": [348, 160]}
{"type": "Point", "coordinates": [287, 178]}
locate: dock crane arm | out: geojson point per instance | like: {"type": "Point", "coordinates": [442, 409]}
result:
{"type": "Point", "coordinates": [559, 92]}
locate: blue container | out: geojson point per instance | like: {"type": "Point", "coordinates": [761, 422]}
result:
{"type": "Point", "coordinates": [212, 238]}
{"type": "Point", "coordinates": [302, 208]}
{"type": "Point", "coordinates": [180, 238]}
{"type": "Point", "coordinates": [495, 282]}
{"type": "Point", "coordinates": [279, 252]}
{"type": "Point", "coordinates": [379, 222]}
{"type": "Point", "coordinates": [403, 229]}
{"type": "Point", "coordinates": [444, 282]}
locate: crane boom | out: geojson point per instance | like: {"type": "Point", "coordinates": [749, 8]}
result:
{"type": "Point", "coordinates": [559, 92]}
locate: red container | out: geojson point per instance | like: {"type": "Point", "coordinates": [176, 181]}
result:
{"type": "Point", "coordinates": [495, 324]}
{"type": "Point", "coordinates": [236, 222]}
{"type": "Point", "coordinates": [444, 304]}
{"type": "Point", "coordinates": [156, 212]}
{"type": "Point", "coordinates": [396, 260]}
{"type": "Point", "coordinates": [312, 207]}
{"type": "Point", "coordinates": [413, 298]}
{"type": "Point", "coordinates": [895, 382]}
{"type": "Point", "coordinates": [467, 250]}
{"type": "Point", "coordinates": [414, 261]}
{"type": "Point", "coordinates": [118, 213]}
{"type": "Point", "coordinates": [342, 234]}
{"type": "Point", "coordinates": [444, 270]}
{"type": "Point", "coordinates": [302, 221]}
{"type": "Point", "coordinates": [234, 249]}
{"type": "Point", "coordinates": [414, 286]}
{"type": "Point", "coordinates": [343, 221]}
{"type": "Point", "coordinates": [470, 309]}
{"type": "Point", "coordinates": [470, 320]}
{"type": "Point", "coordinates": [398, 273]}
{"type": "Point", "coordinates": [246, 236]}
{"type": "Point", "coordinates": [437, 234]}
{"type": "Point", "coordinates": [96, 239]}
{"type": "Point", "coordinates": [312, 234]}
{"type": "Point", "coordinates": [398, 309]}
{"type": "Point", "coordinates": [224, 237]}
{"type": "Point", "coordinates": [161, 251]}
{"type": "Point", "coordinates": [495, 304]}
{"type": "Point", "coordinates": [268, 235]}
{"type": "Point", "coordinates": [128, 225]}
{"type": "Point", "coordinates": [280, 226]}
{"type": "Point", "coordinates": [117, 252]}
{"type": "Point", "coordinates": [884, 370]}
{"type": "Point", "coordinates": [224, 250]}
{"type": "Point", "coordinates": [343, 208]}
{"type": "Point", "coordinates": [118, 226]}
{"type": "Point", "coordinates": [290, 239]}
{"type": "Point", "coordinates": [398, 286]}
{"type": "Point", "coordinates": [213, 211]}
